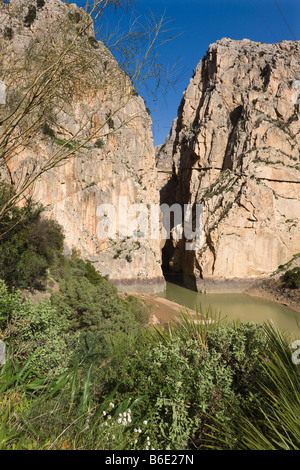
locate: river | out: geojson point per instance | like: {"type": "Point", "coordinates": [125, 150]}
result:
{"type": "Point", "coordinates": [236, 306]}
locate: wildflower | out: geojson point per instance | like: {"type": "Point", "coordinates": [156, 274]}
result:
{"type": "Point", "coordinates": [104, 413]}
{"type": "Point", "coordinates": [145, 422]}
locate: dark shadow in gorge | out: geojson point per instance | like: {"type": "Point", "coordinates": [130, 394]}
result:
{"type": "Point", "coordinates": [168, 195]}
{"type": "Point", "coordinates": [176, 277]}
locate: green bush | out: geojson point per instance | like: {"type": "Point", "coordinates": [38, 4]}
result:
{"type": "Point", "coordinates": [99, 144]}
{"type": "Point", "coordinates": [8, 33]}
{"type": "Point", "coordinates": [273, 424]}
{"type": "Point", "coordinates": [94, 311]}
{"type": "Point", "coordinates": [185, 382]}
{"type": "Point", "coordinates": [28, 244]}
{"type": "Point", "coordinates": [32, 248]}
{"type": "Point", "coordinates": [291, 278]}
{"type": "Point", "coordinates": [48, 131]}
{"type": "Point", "coordinates": [36, 331]}
{"type": "Point", "coordinates": [31, 16]}
{"type": "Point", "coordinates": [88, 299]}
{"type": "Point", "coordinates": [83, 320]}
{"type": "Point", "coordinates": [40, 3]}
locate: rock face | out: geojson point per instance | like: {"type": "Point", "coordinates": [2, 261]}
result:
{"type": "Point", "coordinates": [164, 158]}
{"type": "Point", "coordinates": [120, 164]}
{"type": "Point", "coordinates": [236, 152]}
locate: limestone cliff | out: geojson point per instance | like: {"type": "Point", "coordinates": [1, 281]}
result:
{"type": "Point", "coordinates": [119, 163]}
{"type": "Point", "coordinates": [236, 151]}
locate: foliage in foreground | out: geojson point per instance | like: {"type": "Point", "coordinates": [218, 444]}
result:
{"type": "Point", "coordinates": [174, 392]}
{"type": "Point", "coordinates": [84, 373]}
{"type": "Point", "coordinates": [275, 423]}
{"type": "Point", "coordinates": [186, 379]}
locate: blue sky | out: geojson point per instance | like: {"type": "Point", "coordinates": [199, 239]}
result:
{"type": "Point", "coordinates": [203, 22]}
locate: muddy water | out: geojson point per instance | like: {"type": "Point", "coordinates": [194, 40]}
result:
{"type": "Point", "coordinates": [236, 306]}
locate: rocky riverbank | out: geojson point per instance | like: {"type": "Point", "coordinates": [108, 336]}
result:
{"type": "Point", "coordinates": [274, 290]}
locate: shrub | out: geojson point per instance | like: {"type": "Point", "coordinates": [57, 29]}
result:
{"type": "Point", "coordinates": [28, 243]}
{"type": "Point", "coordinates": [35, 331]}
{"type": "Point", "coordinates": [90, 301]}
{"type": "Point", "coordinates": [40, 4]}
{"type": "Point", "coordinates": [75, 17]}
{"type": "Point", "coordinates": [31, 16]}
{"type": "Point", "coordinates": [47, 130]}
{"type": "Point", "coordinates": [8, 33]}
{"type": "Point", "coordinates": [99, 144]}
{"type": "Point", "coordinates": [274, 423]}
{"type": "Point", "coordinates": [291, 278]}
{"type": "Point", "coordinates": [93, 42]}
{"type": "Point", "coordinates": [110, 121]}
{"type": "Point", "coordinates": [185, 382]}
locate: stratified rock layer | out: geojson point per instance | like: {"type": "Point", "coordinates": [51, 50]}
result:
{"type": "Point", "coordinates": [120, 164]}
{"type": "Point", "coordinates": [236, 151]}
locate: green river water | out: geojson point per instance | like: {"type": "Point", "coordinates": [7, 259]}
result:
{"type": "Point", "coordinates": [236, 306]}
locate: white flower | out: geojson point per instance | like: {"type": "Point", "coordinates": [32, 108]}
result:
{"type": "Point", "coordinates": [112, 405]}
{"type": "Point", "coordinates": [145, 422]}
{"type": "Point", "coordinates": [104, 413]}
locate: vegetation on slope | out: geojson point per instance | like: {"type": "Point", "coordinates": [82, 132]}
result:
{"type": "Point", "coordinates": [84, 371]}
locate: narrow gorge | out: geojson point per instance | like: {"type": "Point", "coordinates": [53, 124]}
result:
{"type": "Point", "coordinates": [234, 148]}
